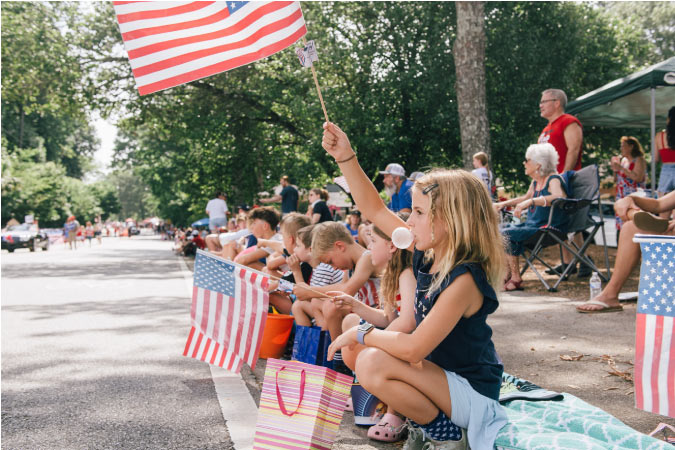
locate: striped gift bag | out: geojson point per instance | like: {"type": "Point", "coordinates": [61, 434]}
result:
{"type": "Point", "coordinates": [301, 406]}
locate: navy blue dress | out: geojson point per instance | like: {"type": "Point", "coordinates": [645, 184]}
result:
{"type": "Point", "coordinates": [467, 350]}
{"type": "Point", "coordinates": [537, 217]}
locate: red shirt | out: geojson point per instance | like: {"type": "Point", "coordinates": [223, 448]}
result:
{"type": "Point", "coordinates": [554, 135]}
{"type": "Point", "coordinates": [199, 242]}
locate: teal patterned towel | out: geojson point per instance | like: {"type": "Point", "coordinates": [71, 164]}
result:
{"type": "Point", "coordinates": [570, 424]}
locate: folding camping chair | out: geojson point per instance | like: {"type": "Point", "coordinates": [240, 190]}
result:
{"type": "Point", "coordinates": [583, 189]}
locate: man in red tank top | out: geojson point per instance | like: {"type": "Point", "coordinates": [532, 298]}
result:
{"type": "Point", "coordinates": [563, 130]}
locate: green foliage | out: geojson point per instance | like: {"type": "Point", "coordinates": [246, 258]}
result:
{"type": "Point", "coordinates": [387, 76]}
{"type": "Point", "coordinates": [42, 101]}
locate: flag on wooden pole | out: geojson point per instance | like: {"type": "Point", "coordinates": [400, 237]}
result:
{"type": "Point", "coordinates": [171, 43]}
{"type": "Point", "coordinates": [229, 311]}
{"type": "Point", "coordinates": [654, 372]}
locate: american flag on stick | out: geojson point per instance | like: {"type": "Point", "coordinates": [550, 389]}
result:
{"type": "Point", "coordinates": [229, 311]}
{"type": "Point", "coordinates": [654, 344]}
{"type": "Point", "coordinates": [171, 43]}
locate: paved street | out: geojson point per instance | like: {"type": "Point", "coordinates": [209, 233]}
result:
{"type": "Point", "coordinates": [91, 351]}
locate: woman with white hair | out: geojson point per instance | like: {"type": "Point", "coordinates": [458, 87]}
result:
{"type": "Point", "coordinates": [540, 165]}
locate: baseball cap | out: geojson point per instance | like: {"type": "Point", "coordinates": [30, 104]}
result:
{"type": "Point", "coordinates": [393, 169]}
{"type": "Point", "coordinates": [415, 175]}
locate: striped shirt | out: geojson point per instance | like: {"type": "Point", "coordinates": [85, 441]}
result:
{"type": "Point", "coordinates": [325, 274]}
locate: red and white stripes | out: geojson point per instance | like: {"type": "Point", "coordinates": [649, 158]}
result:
{"type": "Point", "coordinates": [171, 43]}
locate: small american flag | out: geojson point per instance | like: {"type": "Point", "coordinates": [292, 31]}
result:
{"type": "Point", "coordinates": [229, 311]}
{"type": "Point", "coordinates": [171, 43]}
{"type": "Point", "coordinates": [654, 350]}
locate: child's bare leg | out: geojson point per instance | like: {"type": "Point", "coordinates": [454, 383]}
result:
{"type": "Point", "coordinates": [333, 317]}
{"type": "Point", "coordinates": [415, 392]}
{"type": "Point", "coordinates": [281, 302]}
{"type": "Point", "coordinates": [301, 312]}
{"type": "Point", "coordinates": [229, 250]}
{"type": "Point", "coordinates": [349, 354]}
{"type": "Point", "coordinates": [317, 312]}
{"type": "Point", "coordinates": [213, 243]}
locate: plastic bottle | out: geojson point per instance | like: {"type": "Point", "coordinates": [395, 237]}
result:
{"type": "Point", "coordinates": [596, 285]}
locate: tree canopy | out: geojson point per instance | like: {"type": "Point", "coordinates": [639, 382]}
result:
{"type": "Point", "coordinates": [387, 73]}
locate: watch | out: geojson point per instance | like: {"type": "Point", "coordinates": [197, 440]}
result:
{"type": "Point", "coordinates": [362, 330]}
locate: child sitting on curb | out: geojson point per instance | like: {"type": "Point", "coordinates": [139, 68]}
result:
{"type": "Point", "coordinates": [290, 225]}
{"type": "Point", "coordinates": [323, 274]}
{"type": "Point", "coordinates": [332, 244]}
{"type": "Point", "coordinates": [397, 293]}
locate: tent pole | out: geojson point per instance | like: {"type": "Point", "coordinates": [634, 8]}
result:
{"type": "Point", "coordinates": [653, 134]}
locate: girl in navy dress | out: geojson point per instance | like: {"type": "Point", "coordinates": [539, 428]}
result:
{"type": "Point", "coordinates": [444, 376]}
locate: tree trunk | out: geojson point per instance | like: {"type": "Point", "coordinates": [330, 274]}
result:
{"type": "Point", "coordinates": [469, 54]}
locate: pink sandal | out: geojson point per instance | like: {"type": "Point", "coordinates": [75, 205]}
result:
{"type": "Point", "coordinates": [390, 428]}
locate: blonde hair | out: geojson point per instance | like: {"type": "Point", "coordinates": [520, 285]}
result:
{"type": "Point", "coordinates": [482, 157]}
{"type": "Point", "coordinates": [326, 234]}
{"type": "Point", "coordinates": [292, 222]}
{"type": "Point", "coordinates": [305, 235]}
{"type": "Point", "coordinates": [400, 261]}
{"type": "Point", "coordinates": [463, 205]}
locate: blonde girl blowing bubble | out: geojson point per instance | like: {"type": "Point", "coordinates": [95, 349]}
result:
{"type": "Point", "coordinates": [445, 376]}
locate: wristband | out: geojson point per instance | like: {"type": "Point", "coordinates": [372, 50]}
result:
{"type": "Point", "coordinates": [348, 159]}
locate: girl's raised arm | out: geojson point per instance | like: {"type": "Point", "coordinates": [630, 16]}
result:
{"type": "Point", "coordinates": [336, 143]}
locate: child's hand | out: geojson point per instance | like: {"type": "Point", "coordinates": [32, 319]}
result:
{"type": "Point", "coordinates": [342, 301]}
{"type": "Point", "coordinates": [336, 142]}
{"type": "Point", "coordinates": [302, 293]}
{"type": "Point", "coordinates": [346, 339]}
{"type": "Point", "coordinates": [272, 286]}
{"type": "Point", "coordinates": [293, 262]}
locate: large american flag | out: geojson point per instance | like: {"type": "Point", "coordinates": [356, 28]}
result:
{"type": "Point", "coordinates": [229, 310]}
{"type": "Point", "coordinates": [171, 43]}
{"type": "Point", "coordinates": [654, 350]}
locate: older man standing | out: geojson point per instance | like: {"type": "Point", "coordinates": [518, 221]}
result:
{"type": "Point", "coordinates": [398, 187]}
{"type": "Point", "coordinates": [216, 208]}
{"type": "Point", "coordinates": [564, 132]}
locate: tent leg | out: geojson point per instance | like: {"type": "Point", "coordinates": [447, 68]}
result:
{"type": "Point", "coordinates": [652, 113]}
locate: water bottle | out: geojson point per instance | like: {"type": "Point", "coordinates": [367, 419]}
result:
{"type": "Point", "coordinates": [596, 285]}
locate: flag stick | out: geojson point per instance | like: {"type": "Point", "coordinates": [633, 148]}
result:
{"type": "Point", "coordinates": [316, 82]}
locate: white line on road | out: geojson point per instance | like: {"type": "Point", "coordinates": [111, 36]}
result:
{"type": "Point", "coordinates": [236, 403]}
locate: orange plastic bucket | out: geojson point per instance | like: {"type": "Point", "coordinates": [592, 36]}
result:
{"type": "Point", "coordinates": [277, 330]}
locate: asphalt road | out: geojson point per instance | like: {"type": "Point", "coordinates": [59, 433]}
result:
{"type": "Point", "coordinates": [92, 345]}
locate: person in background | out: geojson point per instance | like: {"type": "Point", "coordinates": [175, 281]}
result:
{"type": "Point", "coordinates": [630, 170]}
{"type": "Point", "coordinates": [89, 232]}
{"type": "Point", "coordinates": [70, 231]}
{"type": "Point", "coordinates": [565, 133]}
{"type": "Point", "coordinates": [665, 148]}
{"type": "Point", "coordinates": [318, 210]}
{"type": "Point", "coordinates": [482, 171]}
{"type": "Point", "coordinates": [398, 188]}
{"type": "Point", "coordinates": [547, 185]}
{"type": "Point", "coordinates": [216, 208]}
{"type": "Point", "coordinates": [354, 223]}
{"type": "Point", "coordinates": [288, 197]}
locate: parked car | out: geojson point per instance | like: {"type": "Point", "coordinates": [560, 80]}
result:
{"type": "Point", "coordinates": [610, 223]}
{"type": "Point", "coordinates": [26, 235]}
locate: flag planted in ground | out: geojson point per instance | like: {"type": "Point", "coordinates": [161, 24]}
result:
{"type": "Point", "coordinates": [229, 310]}
{"type": "Point", "coordinates": [171, 43]}
{"type": "Point", "coordinates": [654, 344]}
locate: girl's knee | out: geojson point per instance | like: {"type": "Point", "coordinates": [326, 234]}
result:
{"type": "Point", "coordinates": [370, 365]}
{"type": "Point", "coordinates": [350, 320]}
{"type": "Point", "coordinates": [329, 310]}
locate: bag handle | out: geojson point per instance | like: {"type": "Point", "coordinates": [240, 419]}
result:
{"type": "Point", "coordinates": [302, 392]}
